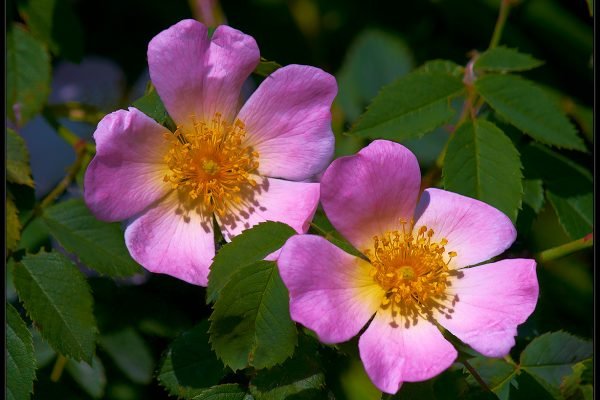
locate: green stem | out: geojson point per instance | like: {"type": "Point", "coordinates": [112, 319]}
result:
{"type": "Point", "coordinates": [59, 366]}
{"type": "Point", "coordinates": [476, 375]}
{"type": "Point", "coordinates": [566, 249]}
{"type": "Point", "coordinates": [61, 187]}
{"type": "Point", "coordinates": [500, 22]}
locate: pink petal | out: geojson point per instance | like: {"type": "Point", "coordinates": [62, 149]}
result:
{"type": "Point", "coordinates": [475, 230]}
{"type": "Point", "coordinates": [288, 122]}
{"type": "Point", "coordinates": [393, 353]}
{"type": "Point", "coordinates": [126, 175]}
{"type": "Point", "coordinates": [331, 292]}
{"type": "Point", "coordinates": [231, 58]}
{"type": "Point", "coordinates": [293, 203]}
{"type": "Point", "coordinates": [368, 193]}
{"type": "Point", "coordinates": [176, 61]}
{"type": "Point", "coordinates": [491, 301]}
{"type": "Point", "coordinates": [168, 240]}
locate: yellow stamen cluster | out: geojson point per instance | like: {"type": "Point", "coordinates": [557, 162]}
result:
{"type": "Point", "coordinates": [411, 269]}
{"type": "Point", "coordinates": [208, 163]}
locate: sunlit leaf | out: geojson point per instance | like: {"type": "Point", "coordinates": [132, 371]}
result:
{"type": "Point", "coordinates": [151, 105]}
{"type": "Point", "coordinates": [190, 367]}
{"type": "Point", "coordinates": [20, 362]}
{"type": "Point", "coordinates": [251, 323]}
{"type": "Point", "coordinates": [481, 162]}
{"type": "Point", "coordinates": [17, 159]}
{"type": "Point", "coordinates": [131, 354]}
{"type": "Point", "coordinates": [550, 358]}
{"type": "Point", "coordinates": [504, 59]}
{"type": "Point", "coordinates": [252, 245]}
{"type": "Point", "coordinates": [27, 75]}
{"type": "Point", "coordinates": [266, 67]}
{"type": "Point", "coordinates": [55, 23]}
{"type": "Point", "coordinates": [99, 245]}
{"type": "Point", "coordinates": [530, 109]}
{"type": "Point", "coordinates": [91, 378]}
{"type": "Point", "coordinates": [58, 300]}
{"type": "Point", "coordinates": [374, 59]}
{"type": "Point", "coordinates": [410, 107]}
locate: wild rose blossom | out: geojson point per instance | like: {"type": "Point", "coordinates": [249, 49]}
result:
{"type": "Point", "coordinates": [415, 276]}
{"type": "Point", "coordinates": [242, 166]}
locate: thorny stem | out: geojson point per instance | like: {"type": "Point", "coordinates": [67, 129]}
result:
{"type": "Point", "coordinates": [566, 249]}
{"type": "Point", "coordinates": [473, 372]}
{"type": "Point", "coordinates": [81, 150]}
{"type": "Point", "coordinates": [59, 366]}
{"type": "Point", "coordinates": [500, 22]}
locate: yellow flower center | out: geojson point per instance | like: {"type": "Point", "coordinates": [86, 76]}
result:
{"type": "Point", "coordinates": [411, 269]}
{"type": "Point", "coordinates": [208, 163]}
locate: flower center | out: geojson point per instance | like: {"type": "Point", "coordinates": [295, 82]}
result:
{"type": "Point", "coordinates": [411, 269]}
{"type": "Point", "coordinates": [209, 163]}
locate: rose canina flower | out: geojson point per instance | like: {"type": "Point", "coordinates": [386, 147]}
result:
{"type": "Point", "coordinates": [415, 277]}
{"type": "Point", "coordinates": [242, 166]}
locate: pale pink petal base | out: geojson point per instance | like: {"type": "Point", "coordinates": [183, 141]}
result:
{"type": "Point", "coordinates": [126, 175]}
{"type": "Point", "coordinates": [331, 291]}
{"type": "Point", "coordinates": [393, 353]}
{"type": "Point", "coordinates": [489, 302]}
{"type": "Point", "coordinates": [293, 203]}
{"type": "Point", "coordinates": [165, 239]}
{"type": "Point", "coordinates": [474, 229]}
{"type": "Point", "coordinates": [367, 194]}
{"type": "Point", "coordinates": [288, 122]}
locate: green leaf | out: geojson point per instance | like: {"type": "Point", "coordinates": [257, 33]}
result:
{"type": "Point", "coordinates": [13, 225]}
{"type": "Point", "coordinates": [131, 354]}
{"type": "Point", "coordinates": [20, 362]}
{"type": "Point", "coordinates": [569, 188]}
{"type": "Point", "coordinates": [54, 23]}
{"type": "Point", "coordinates": [374, 59]}
{"type": "Point", "coordinates": [569, 385]}
{"type": "Point", "coordinates": [481, 162]}
{"type": "Point", "coordinates": [27, 75]}
{"type": "Point", "coordinates": [58, 300]}
{"type": "Point", "coordinates": [529, 108]}
{"type": "Point", "coordinates": [322, 226]}
{"type": "Point", "coordinates": [190, 367]}
{"type": "Point", "coordinates": [91, 378]}
{"type": "Point", "coordinates": [533, 194]}
{"type": "Point", "coordinates": [224, 392]}
{"type": "Point", "coordinates": [151, 105]}
{"type": "Point", "coordinates": [503, 59]}
{"type": "Point", "coordinates": [410, 107]}
{"type": "Point", "coordinates": [550, 358]}
{"type": "Point", "coordinates": [496, 373]}
{"type": "Point", "coordinates": [17, 159]}
{"type": "Point", "coordinates": [252, 245]}
{"type": "Point", "coordinates": [298, 377]}
{"type": "Point", "coordinates": [99, 245]}
{"type": "Point", "coordinates": [266, 67]}
{"type": "Point", "coordinates": [443, 66]}
{"type": "Point", "coordinates": [251, 323]}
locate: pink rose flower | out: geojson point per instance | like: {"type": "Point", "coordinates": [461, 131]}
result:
{"type": "Point", "coordinates": [242, 166]}
{"type": "Point", "coordinates": [416, 277]}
